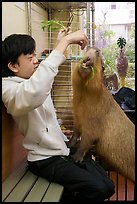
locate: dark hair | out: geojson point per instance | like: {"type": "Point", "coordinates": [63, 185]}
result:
{"type": "Point", "coordinates": [12, 47]}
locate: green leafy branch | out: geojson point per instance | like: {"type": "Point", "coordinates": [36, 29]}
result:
{"type": "Point", "coordinates": [52, 25]}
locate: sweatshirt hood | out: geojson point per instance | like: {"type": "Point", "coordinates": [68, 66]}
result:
{"type": "Point", "coordinates": [14, 78]}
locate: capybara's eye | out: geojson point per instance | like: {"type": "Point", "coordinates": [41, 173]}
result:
{"type": "Point", "coordinates": [98, 52]}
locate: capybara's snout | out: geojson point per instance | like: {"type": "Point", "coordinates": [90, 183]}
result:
{"type": "Point", "coordinates": [91, 55]}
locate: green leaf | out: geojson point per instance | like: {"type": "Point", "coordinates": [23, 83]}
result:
{"type": "Point", "coordinates": [52, 24]}
{"type": "Point", "coordinates": [121, 42]}
{"type": "Point", "coordinates": [93, 72]}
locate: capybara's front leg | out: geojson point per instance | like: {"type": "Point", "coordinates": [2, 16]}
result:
{"type": "Point", "coordinates": [83, 148]}
{"type": "Point", "coordinates": [79, 154]}
{"type": "Point", "coordinates": [74, 139]}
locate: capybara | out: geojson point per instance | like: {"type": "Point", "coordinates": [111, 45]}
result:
{"type": "Point", "coordinates": [98, 119]}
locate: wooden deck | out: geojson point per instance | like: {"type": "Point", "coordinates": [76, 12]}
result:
{"type": "Point", "coordinates": [124, 188]}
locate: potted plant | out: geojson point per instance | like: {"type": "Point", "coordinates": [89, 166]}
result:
{"type": "Point", "coordinates": [122, 61]}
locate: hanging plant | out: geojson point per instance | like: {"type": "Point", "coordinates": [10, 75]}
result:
{"type": "Point", "coordinates": [52, 25]}
{"type": "Point", "coordinates": [121, 42]}
{"type": "Point", "coordinates": [122, 61]}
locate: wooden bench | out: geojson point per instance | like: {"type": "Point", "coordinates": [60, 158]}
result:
{"type": "Point", "coordinates": [23, 186]}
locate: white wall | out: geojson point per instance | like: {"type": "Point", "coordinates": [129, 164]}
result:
{"type": "Point", "coordinates": [37, 15]}
{"type": "Point", "coordinates": [15, 20]}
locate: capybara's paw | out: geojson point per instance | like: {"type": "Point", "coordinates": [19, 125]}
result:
{"type": "Point", "coordinates": [77, 158]}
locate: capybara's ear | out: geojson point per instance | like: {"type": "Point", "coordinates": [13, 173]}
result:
{"type": "Point", "coordinates": [97, 52]}
{"type": "Point", "coordinates": [103, 64]}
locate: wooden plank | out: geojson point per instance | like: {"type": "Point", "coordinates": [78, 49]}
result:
{"type": "Point", "coordinates": [12, 180]}
{"type": "Point", "coordinates": [22, 188]}
{"type": "Point", "coordinates": [53, 193]}
{"type": "Point", "coordinates": [37, 191]}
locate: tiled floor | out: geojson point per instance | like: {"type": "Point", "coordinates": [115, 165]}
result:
{"type": "Point", "coordinates": [124, 189]}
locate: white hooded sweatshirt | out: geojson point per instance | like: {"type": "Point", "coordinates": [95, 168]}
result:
{"type": "Point", "coordinates": [30, 104]}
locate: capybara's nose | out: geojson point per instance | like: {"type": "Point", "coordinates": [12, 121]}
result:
{"type": "Point", "coordinates": [87, 62]}
{"type": "Point", "coordinates": [86, 59]}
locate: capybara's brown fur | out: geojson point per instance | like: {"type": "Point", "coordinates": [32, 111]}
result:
{"type": "Point", "coordinates": [99, 120]}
